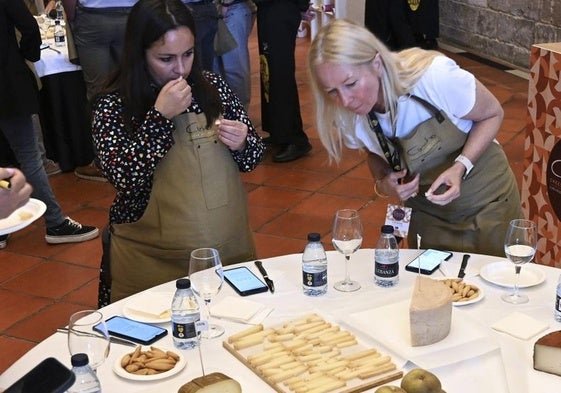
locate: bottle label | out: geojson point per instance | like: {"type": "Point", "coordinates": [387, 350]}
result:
{"type": "Point", "coordinates": [384, 270]}
{"type": "Point", "coordinates": [184, 330]}
{"type": "Point", "coordinates": [558, 303]}
{"type": "Point", "coordinates": [318, 279]}
{"type": "Point", "coordinates": [59, 38]}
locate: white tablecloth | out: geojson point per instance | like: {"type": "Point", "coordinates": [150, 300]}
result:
{"type": "Point", "coordinates": [51, 61]}
{"type": "Point", "coordinates": [507, 368]}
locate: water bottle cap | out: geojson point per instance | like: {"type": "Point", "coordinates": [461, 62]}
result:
{"type": "Point", "coordinates": [79, 360]}
{"type": "Point", "coordinates": [387, 229]}
{"type": "Point", "coordinates": [314, 237]}
{"type": "Point", "coordinates": [183, 283]}
{"type": "Point", "coordinates": [57, 22]}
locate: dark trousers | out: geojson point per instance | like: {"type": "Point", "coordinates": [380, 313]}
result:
{"type": "Point", "coordinates": [387, 20]}
{"type": "Point", "coordinates": [424, 18]}
{"type": "Point", "coordinates": [277, 27]}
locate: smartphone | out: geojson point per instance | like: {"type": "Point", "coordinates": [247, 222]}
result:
{"type": "Point", "coordinates": [428, 261]}
{"type": "Point", "coordinates": [49, 376]}
{"type": "Point", "coordinates": [138, 332]}
{"type": "Point", "coordinates": [244, 281]}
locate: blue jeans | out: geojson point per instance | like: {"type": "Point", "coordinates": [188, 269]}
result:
{"type": "Point", "coordinates": [22, 139]}
{"type": "Point", "coordinates": [206, 25]}
{"type": "Point", "coordinates": [234, 65]}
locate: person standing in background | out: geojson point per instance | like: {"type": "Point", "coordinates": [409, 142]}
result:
{"type": "Point", "coordinates": [98, 27]}
{"type": "Point", "coordinates": [234, 65]}
{"type": "Point", "coordinates": [206, 25]}
{"type": "Point", "coordinates": [387, 20]}
{"type": "Point", "coordinates": [277, 28]}
{"type": "Point", "coordinates": [424, 19]}
{"type": "Point", "coordinates": [18, 102]}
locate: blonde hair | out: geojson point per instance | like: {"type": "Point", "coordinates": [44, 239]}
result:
{"type": "Point", "coordinates": [344, 42]}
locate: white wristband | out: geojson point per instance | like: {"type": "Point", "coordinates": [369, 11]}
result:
{"type": "Point", "coordinates": [465, 162]}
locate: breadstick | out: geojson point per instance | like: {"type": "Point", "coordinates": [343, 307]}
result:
{"type": "Point", "coordinates": [247, 332]}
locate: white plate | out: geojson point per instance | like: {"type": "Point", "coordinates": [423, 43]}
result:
{"type": "Point", "coordinates": [146, 300]}
{"type": "Point", "coordinates": [22, 217]}
{"type": "Point", "coordinates": [502, 274]}
{"type": "Point", "coordinates": [477, 299]}
{"type": "Point", "coordinates": [120, 371]}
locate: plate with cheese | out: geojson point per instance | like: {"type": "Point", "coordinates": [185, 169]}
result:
{"type": "Point", "coordinates": [149, 307]}
{"type": "Point", "coordinates": [22, 217]}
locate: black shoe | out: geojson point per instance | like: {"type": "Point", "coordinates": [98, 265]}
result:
{"type": "Point", "coordinates": [268, 140]}
{"type": "Point", "coordinates": [70, 231]}
{"type": "Point", "coordinates": [292, 152]}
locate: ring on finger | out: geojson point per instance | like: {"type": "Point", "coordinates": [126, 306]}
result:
{"type": "Point", "coordinates": [413, 195]}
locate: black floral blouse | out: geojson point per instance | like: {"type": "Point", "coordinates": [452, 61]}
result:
{"type": "Point", "coordinates": [129, 159]}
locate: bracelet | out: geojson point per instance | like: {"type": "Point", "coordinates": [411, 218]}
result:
{"type": "Point", "coordinates": [465, 162]}
{"type": "Point", "coordinates": [377, 192]}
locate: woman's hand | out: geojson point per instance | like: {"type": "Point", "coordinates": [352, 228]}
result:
{"type": "Point", "coordinates": [393, 184]}
{"type": "Point", "coordinates": [232, 133]}
{"type": "Point", "coordinates": [174, 98]}
{"type": "Point", "coordinates": [451, 179]}
{"type": "Point", "coordinates": [17, 195]}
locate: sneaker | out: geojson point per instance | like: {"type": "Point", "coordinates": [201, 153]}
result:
{"type": "Point", "coordinates": [89, 172]}
{"type": "Point", "coordinates": [3, 241]}
{"type": "Point", "coordinates": [70, 231]}
{"type": "Point", "coordinates": [51, 167]}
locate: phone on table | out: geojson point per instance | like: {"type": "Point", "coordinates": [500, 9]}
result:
{"type": "Point", "coordinates": [138, 332]}
{"type": "Point", "coordinates": [428, 262]}
{"type": "Point", "coordinates": [49, 376]}
{"type": "Point", "coordinates": [244, 281]}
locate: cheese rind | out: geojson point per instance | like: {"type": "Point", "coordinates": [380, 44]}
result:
{"type": "Point", "coordinates": [547, 353]}
{"type": "Point", "coordinates": [211, 383]}
{"type": "Point", "coordinates": [430, 311]}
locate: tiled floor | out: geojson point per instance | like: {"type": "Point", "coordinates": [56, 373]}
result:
{"type": "Point", "coordinates": [41, 285]}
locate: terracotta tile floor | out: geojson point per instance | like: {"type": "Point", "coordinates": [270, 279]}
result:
{"type": "Point", "coordinates": [41, 285]}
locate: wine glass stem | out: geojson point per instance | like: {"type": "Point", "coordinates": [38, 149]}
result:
{"type": "Point", "coordinates": [207, 310]}
{"type": "Point", "coordinates": [517, 271]}
{"type": "Point", "coordinates": [347, 275]}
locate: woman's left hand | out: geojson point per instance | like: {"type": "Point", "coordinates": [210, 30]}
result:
{"type": "Point", "coordinates": [451, 178]}
{"type": "Point", "coordinates": [232, 133]}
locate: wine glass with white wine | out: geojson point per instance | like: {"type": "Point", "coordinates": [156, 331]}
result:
{"type": "Point", "coordinates": [520, 246]}
{"type": "Point", "coordinates": [347, 238]}
{"type": "Point", "coordinates": [207, 276]}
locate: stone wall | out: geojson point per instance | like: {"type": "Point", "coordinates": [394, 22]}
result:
{"type": "Point", "coordinates": [501, 30]}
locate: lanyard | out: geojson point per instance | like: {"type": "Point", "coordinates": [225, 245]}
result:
{"type": "Point", "coordinates": [393, 159]}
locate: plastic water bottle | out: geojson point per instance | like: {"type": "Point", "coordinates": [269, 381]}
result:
{"type": "Point", "coordinates": [86, 378]}
{"type": "Point", "coordinates": [59, 34]}
{"type": "Point", "coordinates": [59, 10]}
{"type": "Point", "coordinates": [558, 301]}
{"type": "Point", "coordinates": [314, 267]}
{"type": "Point", "coordinates": [184, 313]}
{"type": "Point", "coordinates": [386, 259]}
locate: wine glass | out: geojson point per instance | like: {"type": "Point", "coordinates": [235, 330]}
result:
{"type": "Point", "coordinates": [83, 338]}
{"type": "Point", "coordinates": [207, 276]}
{"type": "Point", "coordinates": [520, 247]}
{"type": "Point", "coordinates": [347, 238]}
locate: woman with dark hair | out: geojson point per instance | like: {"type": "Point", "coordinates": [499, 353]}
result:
{"type": "Point", "coordinates": [172, 139]}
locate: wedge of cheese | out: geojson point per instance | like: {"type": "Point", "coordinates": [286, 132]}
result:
{"type": "Point", "coordinates": [211, 383]}
{"type": "Point", "coordinates": [430, 311]}
{"type": "Point", "coordinates": [547, 353]}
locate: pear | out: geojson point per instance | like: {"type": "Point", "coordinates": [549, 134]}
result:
{"type": "Point", "coordinates": [390, 389]}
{"type": "Point", "coordinates": [421, 381]}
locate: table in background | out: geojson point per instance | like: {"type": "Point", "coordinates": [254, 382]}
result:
{"type": "Point", "coordinates": [508, 368]}
{"type": "Point", "coordinates": [64, 109]}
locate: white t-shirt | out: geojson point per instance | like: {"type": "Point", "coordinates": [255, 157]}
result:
{"type": "Point", "coordinates": [444, 84]}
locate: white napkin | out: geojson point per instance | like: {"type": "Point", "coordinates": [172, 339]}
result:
{"type": "Point", "coordinates": [155, 305]}
{"type": "Point", "coordinates": [240, 310]}
{"type": "Point", "coordinates": [520, 325]}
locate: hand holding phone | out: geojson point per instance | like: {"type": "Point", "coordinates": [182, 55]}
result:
{"type": "Point", "coordinates": [428, 262]}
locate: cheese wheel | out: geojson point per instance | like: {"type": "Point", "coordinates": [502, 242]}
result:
{"type": "Point", "coordinates": [547, 352]}
{"type": "Point", "coordinates": [430, 311]}
{"type": "Point", "coordinates": [211, 383]}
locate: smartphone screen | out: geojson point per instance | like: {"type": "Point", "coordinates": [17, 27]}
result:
{"type": "Point", "coordinates": [428, 261]}
{"type": "Point", "coordinates": [139, 332]}
{"type": "Point", "coordinates": [244, 281]}
{"type": "Point", "coordinates": [49, 376]}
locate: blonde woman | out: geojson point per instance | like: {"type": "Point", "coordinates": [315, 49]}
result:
{"type": "Point", "coordinates": [429, 129]}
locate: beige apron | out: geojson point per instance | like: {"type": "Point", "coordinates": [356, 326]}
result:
{"type": "Point", "coordinates": [197, 200]}
{"type": "Point", "coordinates": [477, 221]}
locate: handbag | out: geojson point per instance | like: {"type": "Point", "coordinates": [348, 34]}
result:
{"type": "Point", "coordinates": [224, 41]}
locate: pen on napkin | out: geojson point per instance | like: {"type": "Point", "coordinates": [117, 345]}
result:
{"type": "Point", "coordinates": [5, 184]}
{"type": "Point", "coordinates": [263, 272]}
